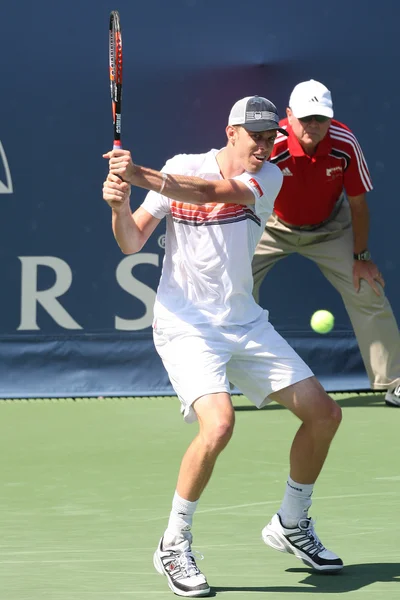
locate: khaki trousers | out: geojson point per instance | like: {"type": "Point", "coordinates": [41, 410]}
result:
{"type": "Point", "coordinates": [331, 248]}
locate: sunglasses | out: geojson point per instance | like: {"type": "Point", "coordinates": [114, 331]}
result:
{"type": "Point", "coordinates": [318, 118]}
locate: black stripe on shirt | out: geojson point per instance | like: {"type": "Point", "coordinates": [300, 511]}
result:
{"type": "Point", "coordinates": [248, 214]}
{"type": "Point", "coordinates": [280, 157]}
{"type": "Point", "coordinates": [342, 155]}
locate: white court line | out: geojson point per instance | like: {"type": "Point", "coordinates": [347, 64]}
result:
{"type": "Point", "coordinates": [78, 550]}
{"type": "Point", "coordinates": [97, 552]}
{"type": "Point", "coordinates": [70, 560]}
{"type": "Point", "coordinates": [275, 502]}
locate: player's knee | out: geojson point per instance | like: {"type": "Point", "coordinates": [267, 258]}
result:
{"type": "Point", "coordinates": [335, 414]}
{"type": "Point", "coordinates": [223, 431]}
{"type": "Point", "coordinates": [218, 435]}
{"type": "Point", "coordinates": [328, 417]}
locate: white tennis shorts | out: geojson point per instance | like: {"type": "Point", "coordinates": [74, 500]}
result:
{"type": "Point", "coordinates": [203, 360]}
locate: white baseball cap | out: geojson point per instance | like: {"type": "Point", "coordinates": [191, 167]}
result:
{"type": "Point", "coordinates": [255, 113]}
{"type": "Point", "coordinates": [311, 98]}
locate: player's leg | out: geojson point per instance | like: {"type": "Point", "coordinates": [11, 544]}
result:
{"type": "Point", "coordinates": [290, 529]}
{"type": "Point", "coordinates": [372, 318]}
{"type": "Point", "coordinates": [272, 247]}
{"type": "Point", "coordinates": [174, 557]}
{"type": "Point", "coordinates": [320, 417]}
{"type": "Point", "coordinates": [216, 419]}
{"type": "Point", "coordinates": [268, 368]}
{"type": "Point", "coordinates": [195, 362]}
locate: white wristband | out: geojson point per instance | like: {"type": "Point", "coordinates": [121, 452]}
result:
{"type": "Point", "coordinates": [164, 180]}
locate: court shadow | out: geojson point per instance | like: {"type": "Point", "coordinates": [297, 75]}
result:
{"type": "Point", "coordinates": [351, 579]}
{"type": "Point", "coordinates": [374, 400]}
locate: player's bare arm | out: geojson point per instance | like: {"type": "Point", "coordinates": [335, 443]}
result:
{"type": "Point", "coordinates": [131, 230]}
{"type": "Point", "coordinates": [363, 269]}
{"type": "Point", "coordinates": [193, 190]}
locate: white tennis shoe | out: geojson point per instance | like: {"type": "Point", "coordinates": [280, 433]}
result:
{"type": "Point", "coordinates": [179, 566]}
{"type": "Point", "coordinates": [392, 397]}
{"type": "Point", "coordinates": [303, 542]}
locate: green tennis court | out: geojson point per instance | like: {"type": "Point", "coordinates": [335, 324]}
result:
{"type": "Point", "coordinates": [86, 488]}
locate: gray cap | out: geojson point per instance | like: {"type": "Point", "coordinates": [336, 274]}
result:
{"type": "Point", "coordinates": [255, 113]}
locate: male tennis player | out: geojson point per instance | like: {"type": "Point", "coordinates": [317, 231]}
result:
{"type": "Point", "coordinates": [209, 331]}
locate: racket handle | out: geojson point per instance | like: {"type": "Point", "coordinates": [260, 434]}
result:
{"type": "Point", "coordinates": [118, 146]}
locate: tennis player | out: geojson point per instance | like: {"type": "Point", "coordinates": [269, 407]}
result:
{"type": "Point", "coordinates": [209, 330]}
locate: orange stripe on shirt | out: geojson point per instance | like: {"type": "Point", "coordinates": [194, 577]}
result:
{"type": "Point", "coordinates": [205, 211]}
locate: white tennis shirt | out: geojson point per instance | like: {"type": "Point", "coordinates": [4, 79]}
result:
{"type": "Point", "coordinates": [206, 275]}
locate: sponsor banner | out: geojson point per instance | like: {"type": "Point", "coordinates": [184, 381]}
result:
{"type": "Point", "coordinates": [75, 313]}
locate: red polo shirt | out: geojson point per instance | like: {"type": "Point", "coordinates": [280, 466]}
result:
{"type": "Point", "coordinates": [312, 184]}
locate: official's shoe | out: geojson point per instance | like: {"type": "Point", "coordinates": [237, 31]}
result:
{"type": "Point", "coordinates": [179, 566]}
{"type": "Point", "coordinates": [392, 397]}
{"type": "Point", "coordinates": [303, 542]}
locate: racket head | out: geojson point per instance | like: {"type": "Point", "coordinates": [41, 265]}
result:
{"type": "Point", "coordinates": [115, 68]}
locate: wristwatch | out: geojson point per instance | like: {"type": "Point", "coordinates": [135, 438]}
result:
{"type": "Point", "coordinates": [364, 255]}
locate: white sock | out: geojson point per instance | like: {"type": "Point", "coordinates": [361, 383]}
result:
{"type": "Point", "coordinates": [180, 521]}
{"type": "Point", "coordinates": [295, 503]}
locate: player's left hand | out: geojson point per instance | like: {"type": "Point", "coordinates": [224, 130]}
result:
{"type": "Point", "coordinates": [366, 269]}
{"type": "Point", "coordinates": [121, 164]}
{"type": "Point", "coordinates": [116, 193]}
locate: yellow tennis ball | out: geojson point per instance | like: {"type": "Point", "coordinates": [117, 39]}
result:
{"type": "Point", "coordinates": [322, 321]}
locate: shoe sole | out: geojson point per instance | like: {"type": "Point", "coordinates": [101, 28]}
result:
{"type": "Point", "coordinates": [392, 404]}
{"type": "Point", "coordinates": [278, 542]}
{"type": "Point", "coordinates": [160, 569]}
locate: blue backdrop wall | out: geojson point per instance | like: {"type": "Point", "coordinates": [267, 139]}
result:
{"type": "Point", "coordinates": [75, 313]}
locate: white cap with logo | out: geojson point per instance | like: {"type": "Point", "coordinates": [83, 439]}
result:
{"type": "Point", "coordinates": [311, 98]}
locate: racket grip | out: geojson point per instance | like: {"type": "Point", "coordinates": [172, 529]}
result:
{"type": "Point", "coordinates": [117, 145]}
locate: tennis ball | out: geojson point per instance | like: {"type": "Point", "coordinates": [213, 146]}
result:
{"type": "Point", "coordinates": [322, 321]}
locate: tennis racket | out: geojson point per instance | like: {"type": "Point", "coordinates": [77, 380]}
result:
{"type": "Point", "coordinates": [115, 56]}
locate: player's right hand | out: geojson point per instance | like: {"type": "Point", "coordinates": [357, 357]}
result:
{"type": "Point", "coordinates": [120, 163]}
{"type": "Point", "coordinates": [116, 192]}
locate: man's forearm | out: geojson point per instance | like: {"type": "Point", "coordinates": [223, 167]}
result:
{"type": "Point", "coordinates": [178, 187]}
{"type": "Point", "coordinates": [126, 232]}
{"type": "Point", "coordinates": [192, 190]}
{"type": "Point", "coordinates": [360, 223]}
